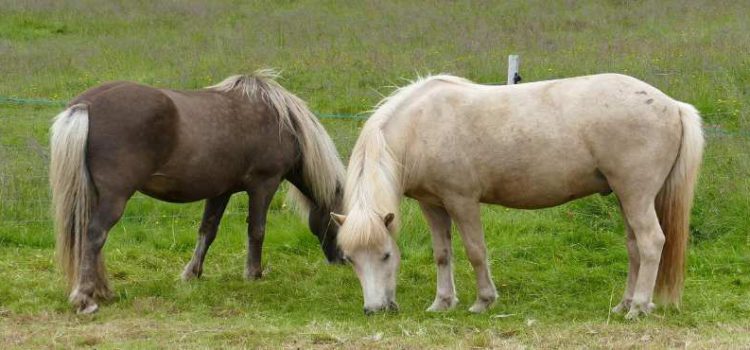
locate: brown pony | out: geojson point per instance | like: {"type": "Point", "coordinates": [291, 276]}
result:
{"type": "Point", "coordinates": [245, 134]}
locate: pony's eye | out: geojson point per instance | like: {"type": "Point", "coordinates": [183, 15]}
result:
{"type": "Point", "coordinates": [386, 256]}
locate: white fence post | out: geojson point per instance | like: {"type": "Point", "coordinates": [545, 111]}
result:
{"type": "Point", "coordinates": [513, 62]}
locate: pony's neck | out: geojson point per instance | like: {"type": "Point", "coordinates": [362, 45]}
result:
{"type": "Point", "coordinates": [321, 167]}
{"type": "Point", "coordinates": [297, 179]}
{"type": "Point", "coordinates": [375, 176]}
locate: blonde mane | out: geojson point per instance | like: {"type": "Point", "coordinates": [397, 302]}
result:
{"type": "Point", "coordinates": [374, 181]}
{"type": "Point", "coordinates": [323, 170]}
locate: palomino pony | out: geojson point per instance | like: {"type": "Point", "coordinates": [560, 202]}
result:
{"type": "Point", "coordinates": [452, 144]}
{"type": "Point", "coordinates": [247, 133]}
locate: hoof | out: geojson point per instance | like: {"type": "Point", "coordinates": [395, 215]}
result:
{"type": "Point", "coordinates": [632, 315]}
{"type": "Point", "coordinates": [638, 309]}
{"type": "Point", "coordinates": [478, 308]}
{"type": "Point", "coordinates": [483, 303]}
{"type": "Point", "coordinates": [390, 307]}
{"type": "Point", "coordinates": [90, 309]}
{"type": "Point", "coordinates": [623, 306]}
{"type": "Point", "coordinates": [84, 304]}
{"type": "Point", "coordinates": [443, 304]}
{"type": "Point", "coordinates": [190, 274]}
{"type": "Point", "coordinates": [253, 275]}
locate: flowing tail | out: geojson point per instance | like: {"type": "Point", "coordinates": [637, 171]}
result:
{"type": "Point", "coordinates": [72, 189]}
{"type": "Point", "coordinates": [673, 205]}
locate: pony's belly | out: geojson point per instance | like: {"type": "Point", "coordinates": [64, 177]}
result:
{"type": "Point", "coordinates": [177, 190]}
{"type": "Point", "coordinates": [537, 202]}
{"type": "Point", "coordinates": [540, 195]}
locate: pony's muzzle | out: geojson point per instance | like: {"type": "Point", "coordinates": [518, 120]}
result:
{"type": "Point", "coordinates": [333, 254]}
{"type": "Point", "coordinates": [335, 258]}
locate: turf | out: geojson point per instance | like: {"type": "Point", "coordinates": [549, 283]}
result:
{"type": "Point", "coordinates": [558, 270]}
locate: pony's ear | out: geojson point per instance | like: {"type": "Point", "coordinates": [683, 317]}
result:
{"type": "Point", "coordinates": [388, 219]}
{"type": "Point", "coordinates": [338, 218]}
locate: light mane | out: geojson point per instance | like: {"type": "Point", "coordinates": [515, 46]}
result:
{"type": "Point", "coordinates": [257, 84]}
{"type": "Point", "coordinates": [322, 167]}
{"type": "Point", "coordinates": [374, 181]}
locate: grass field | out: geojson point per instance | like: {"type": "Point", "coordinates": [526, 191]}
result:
{"type": "Point", "coordinates": [558, 270]}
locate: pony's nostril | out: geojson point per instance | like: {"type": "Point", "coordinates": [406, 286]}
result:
{"type": "Point", "coordinates": [368, 311]}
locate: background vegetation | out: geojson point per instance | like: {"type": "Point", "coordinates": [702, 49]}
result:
{"type": "Point", "coordinates": [558, 270]}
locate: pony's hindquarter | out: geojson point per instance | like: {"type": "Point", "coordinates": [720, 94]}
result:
{"type": "Point", "coordinates": [73, 192]}
{"type": "Point", "coordinates": [673, 205]}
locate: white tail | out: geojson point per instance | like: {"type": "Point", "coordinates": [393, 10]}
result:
{"type": "Point", "coordinates": [673, 205]}
{"type": "Point", "coordinates": [72, 190]}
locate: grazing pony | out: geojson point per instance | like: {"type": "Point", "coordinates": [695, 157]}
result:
{"type": "Point", "coordinates": [247, 133]}
{"type": "Point", "coordinates": [452, 144]}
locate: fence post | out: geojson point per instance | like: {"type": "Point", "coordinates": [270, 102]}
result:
{"type": "Point", "coordinates": [513, 76]}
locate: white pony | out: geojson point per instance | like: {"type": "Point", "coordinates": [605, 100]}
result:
{"type": "Point", "coordinates": [452, 144]}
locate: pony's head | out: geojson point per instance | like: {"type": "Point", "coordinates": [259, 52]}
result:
{"type": "Point", "coordinates": [324, 228]}
{"type": "Point", "coordinates": [319, 220]}
{"type": "Point", "coordinates": [368, 244]}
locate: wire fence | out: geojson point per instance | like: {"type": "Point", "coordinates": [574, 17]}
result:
{"type": "Point", "coordinates": [24, 157]}
{"type": "Point", "coordinates": [24, 190]}
{"type": "Point", "coordinates": [19, 101]}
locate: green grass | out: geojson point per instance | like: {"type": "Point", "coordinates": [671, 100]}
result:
{"type": "Point", "coordinates": [558, 270]}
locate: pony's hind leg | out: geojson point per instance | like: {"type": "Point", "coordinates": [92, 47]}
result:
{"type": "Point", "coordinates": [212, 214]}
{"type": "Point", "coordinates": [261, 193]}
{"type": "Point", "coordinates": [91, 284]}
{"type": "Point", "coordinates": [467, 216]}
{"type": "Point", "coordinates": [649, 238]}
{"type": "Point", "coordinates": [634, 262]}
{"type": "Point", "coordinates": [440, 226]}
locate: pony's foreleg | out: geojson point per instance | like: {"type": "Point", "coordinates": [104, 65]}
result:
{"type": "Point", "coordinates": [92, 282]}
{"type": "Point", "coordinates": [641, 216]}
{"type": "Point", "coordinates": [260, 194]}
{"type": "Point", "coordinates": [634, 262]}
{"type": "Point", "coordinates": [212, 213]}
{"type": "Point", "coordinates": [467, 216]}
{"type": "Point", "coordinates": [440, 226]}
